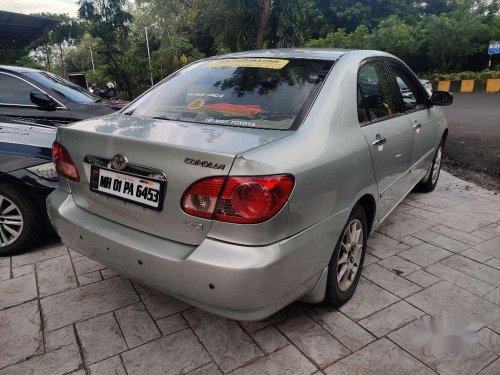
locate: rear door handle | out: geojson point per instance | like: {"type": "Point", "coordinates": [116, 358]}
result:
{"type": "Point", "coordinates": [379, 142]}
{"type": "Point", "coordinates": [417, 127]}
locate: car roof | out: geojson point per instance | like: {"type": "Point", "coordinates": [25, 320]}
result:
{"type": "Point", "coordinates": [291, 53]}
{"type": "Point", "coordinates": [18, 69]}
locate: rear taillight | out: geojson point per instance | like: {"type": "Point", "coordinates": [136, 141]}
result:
{"type": "Point", "coordinates": [245, 200]}
{"type": "Point", "coordinates": [64, 165]}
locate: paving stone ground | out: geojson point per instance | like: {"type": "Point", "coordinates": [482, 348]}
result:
{"type": "Point", "coordinates": [432, 273]}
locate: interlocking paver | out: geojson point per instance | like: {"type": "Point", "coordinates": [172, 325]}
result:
{"type": "Point", "coordinates": [313, 341]}
{"type": "Point", "coordinates": [344, 329]}
{"type": "Point", "coordinates": [229, 345]}
{"type": "Point", "coordinates": [27, 269]}
{"type": "Point", "coordinates": [383, 246]}
{"type": "Point", "coordinates": [476, 255]}
{"type": "Point", "coordinates": [380, 357]}
{"type": "Point", "coordinates": [209, 369]}
{"type": "Point", "coordinates": [460, 279]}
{"type": "Point", "coordinates": [136, 325]}
{"type": "Point", "coordinates": [159, 305]}
{"type": "Point", "coordinates": [390, 281]}
{"type": "Point", "coordinates": [425, 254]}
{"type": "Point", "coordinates": [490, 340]}
{"type": "Point", "coordinates": [399, 265]}
{"type": "Point", "coordinates": [269, 339]}
{"type": "Point", "coordinates": [177, 353]}
{"type": "Point", "coordinates": [467, 360]}
{"type": "Point", "coordinates": [61, 337]}
{"type": "Point", "coordinates": [110, 366]}
{"type": "Point", "coordinates": [438, 251]}
{"type": "Point", "coordinates": [100, 338]}
{"type": "Point", "coordinates": [401, 225]}
{"type": "Point", "coordinates": [368, 299]}
{"type": "Point", "coordinates": [57, 362]}
{"type": "Point", "coordinates": [82, 303]}
{"type": "Point", "coordinates": [18, 290]}
{"type": "Point", "coordinates": [55, 275]}
{"type": "Point", "coordinates": [422, 278]}
{"type": "Point", "coordinates": [39, 255]}
{"type": "Point", "coordinates": [89, 278]}
{"type": "Point", "coordinates": [20, 333]}
{"type": "Point", "coordinates": [475, 269]}
{"type": "Point", "coordinates": [444, 298]}
{"type": "Point", "coordinates": [171, 324]}
{"type": "Point", "coordinates": [285, 361]}
{"type": "Point", "coordinates": [490, 247]}
{"type": "Point", "coordinates": [391, 318]}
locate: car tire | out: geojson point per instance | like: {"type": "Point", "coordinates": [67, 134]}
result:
{"type": "Point", "coordinates": [431, 181]}
{"type": "Point", "coordinates": [19, 205]}
{"type": "Point", "coordinates": [347, 259]}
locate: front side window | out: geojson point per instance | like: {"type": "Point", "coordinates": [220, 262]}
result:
{"type": "Point", "coordinates": [246, 92]}
{"type": "Point", "coordinates": [14, 90]}
{"type": "Point", "coordinates": [414, 96]}
{"type": "Point", "coordinates": [64, 88]}
{"type": "Point", "coordinates": [378, 90]}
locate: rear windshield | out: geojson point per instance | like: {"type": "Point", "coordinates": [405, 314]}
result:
{"type": "Point", "coordinates": [259, 93]}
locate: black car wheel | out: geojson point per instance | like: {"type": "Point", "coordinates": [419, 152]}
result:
{"type": "Point", "coordinates": [347, 260]}
{"type": "Point", "coordinates": [428, 185]}
{"type": "Point", "coordinates": [20, 223]}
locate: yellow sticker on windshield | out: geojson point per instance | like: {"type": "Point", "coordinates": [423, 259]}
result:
{"type": "Point", "coordinates": [248, 63]}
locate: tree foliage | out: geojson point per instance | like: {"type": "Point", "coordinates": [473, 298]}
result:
{"type": "Point", "coordinates": [430, 35]}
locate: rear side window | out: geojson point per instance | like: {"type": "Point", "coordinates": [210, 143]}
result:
{"type": "Point", "coordinates": [378, 90]}
{"type": "Point", "coordinates": [413, 94]}
{"type": "Point", "coordinates": [247, 92]}
{"type": "Point", "coordinates": [14, 91]}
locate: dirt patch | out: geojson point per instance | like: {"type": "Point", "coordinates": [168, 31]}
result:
{"type": "Point", "coordinates": [482, 179]}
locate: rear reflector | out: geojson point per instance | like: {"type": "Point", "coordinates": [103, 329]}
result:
{"type": "Point", "coordinates": [64, 165]}
{"type": "Point", "coordinates": [244, 200]}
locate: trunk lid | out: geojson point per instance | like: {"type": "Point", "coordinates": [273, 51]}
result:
{"type": "Point", "coordinates": [176, 148]}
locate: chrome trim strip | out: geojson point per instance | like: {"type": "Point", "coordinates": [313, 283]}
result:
{"type": "Point", "coordinates": [133, 169]}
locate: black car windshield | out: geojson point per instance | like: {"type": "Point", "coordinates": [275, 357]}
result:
{"type": "Point", "coordinates": [66, 89]}
{"type": "Point", "coordinates": [246, 92]}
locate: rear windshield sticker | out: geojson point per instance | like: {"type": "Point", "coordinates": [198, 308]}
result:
{"type": "Point", "coordinates": [248, 63]}
{"type": "Point", "coordinates": [196, 104]}
{"type": "Point", "coordinates": [217, 121]}
{"type": "Point", "coordinates": [204, 94]}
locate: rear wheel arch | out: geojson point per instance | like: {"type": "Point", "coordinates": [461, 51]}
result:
{"type": "Point", "coordinates": [367, 201]}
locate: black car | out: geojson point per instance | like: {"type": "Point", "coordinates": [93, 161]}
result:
{"type": "Point", "coordinates": [45, 98]}
{"type": "Point", "coordinates": [27, 176]}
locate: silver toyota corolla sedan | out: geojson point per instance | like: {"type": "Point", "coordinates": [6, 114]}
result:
{"type": "Point", "coordinates": [244, 182]}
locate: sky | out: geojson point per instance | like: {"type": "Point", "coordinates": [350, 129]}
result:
{"type": "Point", "coordinates": [36, 6]}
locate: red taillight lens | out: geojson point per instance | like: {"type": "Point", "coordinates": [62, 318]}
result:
{"type": "Point", "coordinates": [245, 200]}
{"type": "Point", "coordinates": [64, 165]}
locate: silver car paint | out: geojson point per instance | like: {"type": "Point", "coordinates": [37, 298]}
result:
{"type": "Point", "coordinates": [256, 269]}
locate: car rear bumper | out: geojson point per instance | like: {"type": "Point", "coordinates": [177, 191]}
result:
{"type": "Point", "coordinates": [240, 282]}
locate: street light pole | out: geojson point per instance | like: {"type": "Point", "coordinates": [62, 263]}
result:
{"type": "Point", "coordinates": [149, 56]}
{"type": "Point", "coordinates": [92, 59]}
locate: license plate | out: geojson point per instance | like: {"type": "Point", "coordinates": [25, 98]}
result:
{"type": "Point", "coordinates": [138, 190]}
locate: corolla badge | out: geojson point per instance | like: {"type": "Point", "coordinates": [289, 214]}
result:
{"type": "Point", "coordinates": [119, 162]}
{"type": "Point", "coordinates": [204, 163]}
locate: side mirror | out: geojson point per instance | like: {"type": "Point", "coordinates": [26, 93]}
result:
{"type": "Point", "coordinates": [441, 98]}
{"type": "Point", "coordinates": [42, 100]}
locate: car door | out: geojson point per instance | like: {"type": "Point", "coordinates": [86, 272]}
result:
{"type": "Point", "coordinates": [414, 100]}
{"type": "Point", "coordinates": [15, 101]}
{"type": "Point", "coordinates": [388, 133]}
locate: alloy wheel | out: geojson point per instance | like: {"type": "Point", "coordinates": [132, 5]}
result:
{"type": "Point", "coordinates": [11, 221]}
{"type": "Point", "coordinates": [349, 257]}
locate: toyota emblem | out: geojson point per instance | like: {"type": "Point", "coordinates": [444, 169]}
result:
{"type": "Point", "coordinates": [119, 162]}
